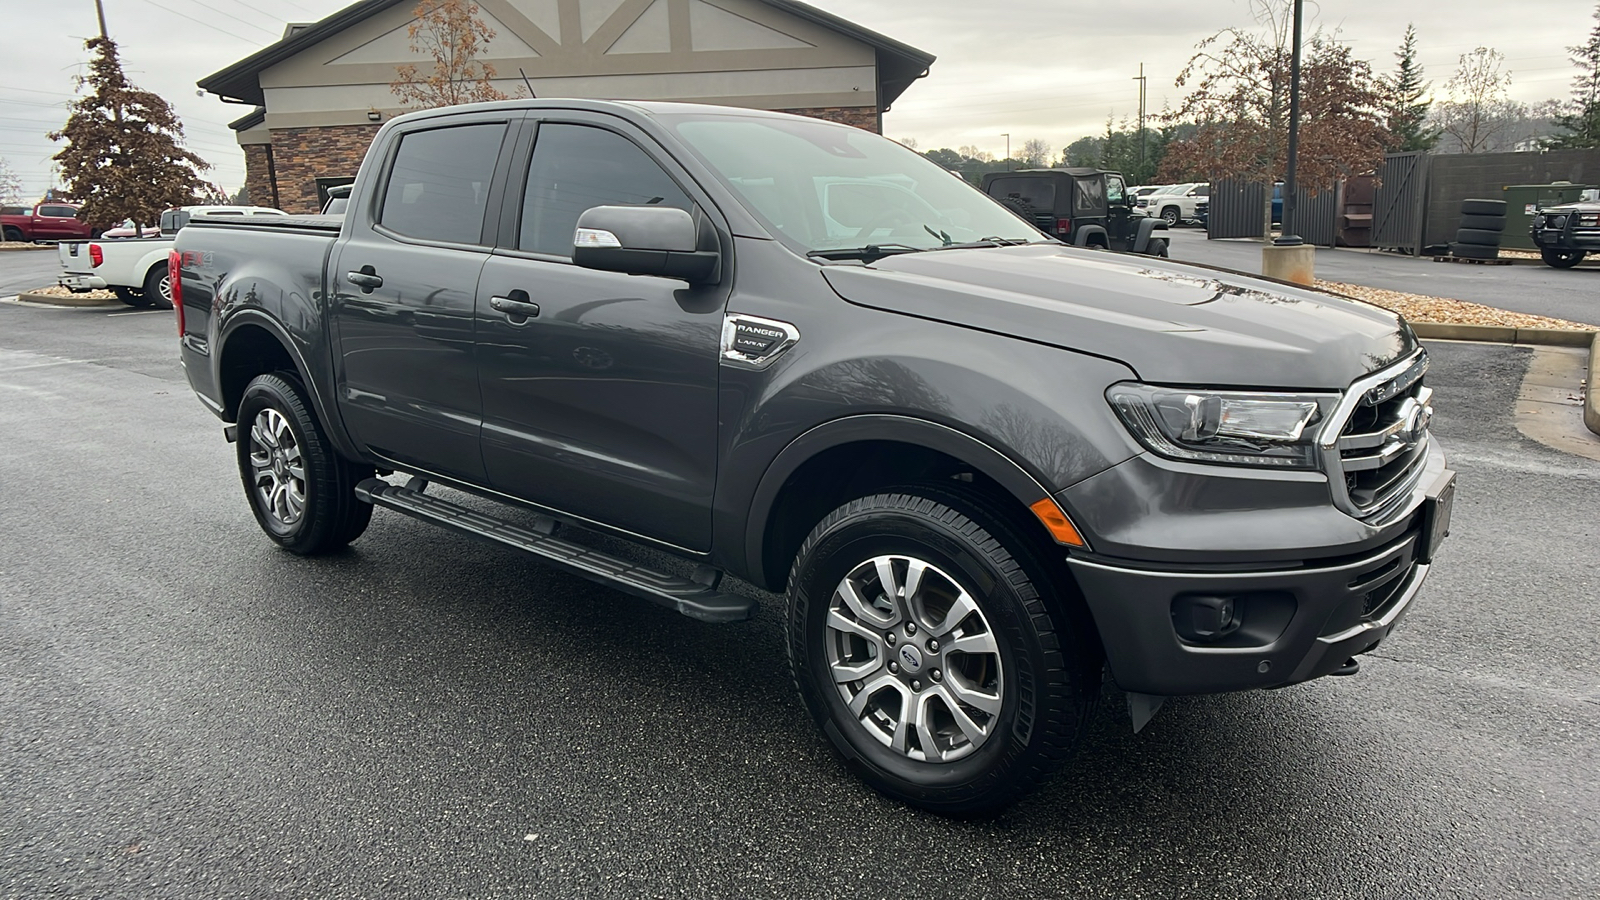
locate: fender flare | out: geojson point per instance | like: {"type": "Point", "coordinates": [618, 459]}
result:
{"type": "Point", "coordinates": [1025, 486]}
{"type": "Point", "coordinates": [260, 319]}
{"type": "Point", "coordinates": [1149, 226]}
{"type": "Point", "coordinates": [1081, 239]}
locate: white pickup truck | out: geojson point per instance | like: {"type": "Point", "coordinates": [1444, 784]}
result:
{"type": "Point", "coordinates": [135, 269]}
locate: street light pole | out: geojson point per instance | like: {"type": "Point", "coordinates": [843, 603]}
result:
{"type": "Point", "coordinates": [1141, 79]}
{"type": "Point", "coordinates": [1289, 238]}
{"type": "Point", "coordinates": [1008, 151]}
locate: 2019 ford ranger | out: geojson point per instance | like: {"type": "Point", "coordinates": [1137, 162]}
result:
{"type": "Point", "coordinates": [983, 466]}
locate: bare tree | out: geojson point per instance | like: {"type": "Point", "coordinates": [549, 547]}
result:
{"type": "Point", "coordinates": [1480, 115]}
{"type": "Point", "coordinates": [450, 32]}
{"type": "Point", "coordinates": [1035, 153]}
{"type": "Point", "coordinates": [10, 185]}
{"type": "Point", "coordinates": [970, 151]}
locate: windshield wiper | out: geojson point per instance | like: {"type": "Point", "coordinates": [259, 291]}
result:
{"type": "Point", "coordinates": [869, 253]}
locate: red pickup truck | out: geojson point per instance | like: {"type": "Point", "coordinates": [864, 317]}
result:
{"type": "Point", "coordinates": [47, 222]}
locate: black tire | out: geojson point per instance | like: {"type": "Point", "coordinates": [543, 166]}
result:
{"type": "Point", "coordinates": [1157, 247]}
{"type": "Point", "coordinates": [1046, 665]}
{"type": "Point", "coordinates": [13, 233]}
{"type": "Point", "coordinates": [157, 290]}
{"type": "Point", "coordinates": [1474, 251]}
{"type": "Point", "coordinates": [330, 514]}
{"type": "Point", "coordinates": [131, 296]}
{"type": "Point", "coordinates": [1483, 207]}
{"type": "Point", "coordinates": [1171, 216]}
{"type": "Point", "coordinates": [1486, 223]}
{"type": "Point", "coordinates": [1561, 259]}
{"type": "Point", "coordinates": [1478, 236]}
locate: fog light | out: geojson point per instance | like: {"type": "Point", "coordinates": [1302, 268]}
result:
{"type": "Point", "coordinates": [1205, 619]}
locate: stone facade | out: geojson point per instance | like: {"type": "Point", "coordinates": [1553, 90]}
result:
{"type": "Point", "coordinates": [299, 156]}
{"type": "Point", "coordinates": [258, 180]}
{"type": "Point", "coordinates": [865, 117]}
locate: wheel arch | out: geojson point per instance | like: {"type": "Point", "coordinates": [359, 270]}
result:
{"type": "Point", "coordinates": [1091, 235]}
{"type": "Point", "coordinates": [253, 343]}
{"type": "Point", "coordinates": [838, 460]}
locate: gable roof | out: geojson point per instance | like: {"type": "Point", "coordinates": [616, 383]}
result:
{"type": "Point", "coordinates": [899, 64]}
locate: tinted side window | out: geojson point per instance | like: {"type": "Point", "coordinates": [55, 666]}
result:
{"type": "Point", "coordinates": [575, 167]}
{"type": "Point", "coordinates": [439, 185]}
{"type": "Point", "coordinates": [60, 212]}
{"type": "Point", "coordinates": [1038, 193]}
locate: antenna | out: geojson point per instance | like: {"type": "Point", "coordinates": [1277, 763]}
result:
{"type": "Point", "coordinates": [525, 81]}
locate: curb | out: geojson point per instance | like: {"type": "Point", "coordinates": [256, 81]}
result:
{"type": "Point", "coordinates": [55, 300]}
{"type": "Point", "coordinates": [1506, 334]}
{"type": "Point", "coordinates": [1591, 396]}
{"type": "Point", "coordinates": [25, 249]}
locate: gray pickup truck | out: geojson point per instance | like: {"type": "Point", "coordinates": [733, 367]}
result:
{"type": "Point", "coordinates": [985, 468]}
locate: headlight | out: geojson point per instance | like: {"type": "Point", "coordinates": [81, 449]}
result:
{"type": "Point", "coordinates": [1248, 429]}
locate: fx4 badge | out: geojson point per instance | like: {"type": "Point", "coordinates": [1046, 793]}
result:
{"type": "Point", "coordinates": [750, 342]}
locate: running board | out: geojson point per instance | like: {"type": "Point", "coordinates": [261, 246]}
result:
{"type": "Point", "coordinates": [692, 598]}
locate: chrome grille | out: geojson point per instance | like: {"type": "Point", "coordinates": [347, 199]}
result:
{"type": "Point", "coordinates": [1376, 442]}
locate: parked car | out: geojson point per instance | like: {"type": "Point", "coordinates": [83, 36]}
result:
{"type": "Point", "coordinates": [1179, 203]}
{"type": "Point", "coordinates": [986, 468]}
{"type": "Point", "coordinates": [135, 268]}
{"type": "Point", "coordinates": [1082, 206]}
{"type": "Point", "coordinates": [1567, 233]}
{"type": "Point", "coordinates": [129, 229]}
{"type": "Point", "coordinates": [52, 221]}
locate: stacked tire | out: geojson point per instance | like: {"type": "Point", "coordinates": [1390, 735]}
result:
{"type": "Point", "coordinates": [1482, 222]}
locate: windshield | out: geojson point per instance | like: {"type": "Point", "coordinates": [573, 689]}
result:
{"type": "Point", "coordinates": [823, 186]}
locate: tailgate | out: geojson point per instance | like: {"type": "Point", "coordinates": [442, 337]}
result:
{"type": "Point", "coordinates": [74, 256]}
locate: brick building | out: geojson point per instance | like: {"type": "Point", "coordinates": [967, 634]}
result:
{"type": "Point", "coordinates": [322, 91]}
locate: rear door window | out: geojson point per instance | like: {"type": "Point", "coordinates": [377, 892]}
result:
{"type": "Point", "coordinates": [59, 212]}
{"type": "Point", "coordinates": [1091, 194]}
{"type": "Point", "coordinates": [438, 187]}
{"type": "Point", "coordinates": [576, 167]}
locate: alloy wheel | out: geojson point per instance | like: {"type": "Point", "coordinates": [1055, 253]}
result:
{"type": "Point", "coordinates": [914, 659]}
{"type": "Point", "coordinates": [278, 468]}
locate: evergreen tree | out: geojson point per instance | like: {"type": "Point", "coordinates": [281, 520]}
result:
{"type": "Point", "coordinates": [1580, 128]}
{"type": "Point", "coordinates": [124, 158]}
{"type": "Point", "coordinates": [1406, 110]}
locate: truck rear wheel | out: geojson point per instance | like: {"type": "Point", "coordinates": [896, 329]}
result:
{"type": "Point", "coordinates": [923, 643]}
{"type": "Point", "coordinates": [1157, 247]}
{"type": "Point", "coordinates": [158, 288]}
{"type": "Point", "coordinates": [301, 491]}
{"type": "Point", "coordinates": [131, 296]}
{"type": "Point", "coordinates": [1561, 259]}
{"type": "Point", "coordinates": [13, 234]}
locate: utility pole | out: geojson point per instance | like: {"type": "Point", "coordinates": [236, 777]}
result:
{"type": "Point", "coordinates": [1141, 79]}
{"type": "Point", "coordinates": [100, 10]}
{"type": "Point", "coordinates": [1289, 188]}
{"type": "Point", "coordinates": [1008, 151]}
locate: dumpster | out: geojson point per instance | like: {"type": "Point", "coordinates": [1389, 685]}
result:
{"type": "Point", "coordinates": [1523, 200]}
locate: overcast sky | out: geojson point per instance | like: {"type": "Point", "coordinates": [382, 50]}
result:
{"type": "Point", "coordinates": [1052, 69]}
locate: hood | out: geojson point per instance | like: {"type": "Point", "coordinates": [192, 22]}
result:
{"type": "Point", "coordinates": [1172, 323]}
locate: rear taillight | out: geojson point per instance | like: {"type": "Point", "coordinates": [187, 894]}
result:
{"type": "Point", "coordinates": [1063, 226]}
{"type": "Point", "coordinates": [175, 279]}
{"type": "Point", "coordinates": [96, 256]}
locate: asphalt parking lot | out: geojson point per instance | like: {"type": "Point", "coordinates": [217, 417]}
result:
{"type": "Point", "coordinates": [187, 712]}
{"type": "Point", "coordinates": [1572, 294]}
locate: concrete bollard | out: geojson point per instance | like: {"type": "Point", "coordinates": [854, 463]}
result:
{"type": "Point", "coordinates": [1293, 263]}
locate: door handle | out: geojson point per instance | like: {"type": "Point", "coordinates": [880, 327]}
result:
{"type": "Point", "coordinates": [517, 309]}
{"type": "Point", "coordinates": [366, 279]}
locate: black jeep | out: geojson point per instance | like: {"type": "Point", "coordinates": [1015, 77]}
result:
{"type": "Point", "coordinates": [1081, 206]}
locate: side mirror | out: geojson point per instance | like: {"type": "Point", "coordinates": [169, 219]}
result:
{"type": "Point", "coordinates": [643, 240]}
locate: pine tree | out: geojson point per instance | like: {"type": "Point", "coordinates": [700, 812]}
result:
{"type": "Point", "coordinates": [1580, 129]}
{"type": "Point", "coordinates": [124, 158]}
{"type": "Point", "coordinates": [1407, 111]}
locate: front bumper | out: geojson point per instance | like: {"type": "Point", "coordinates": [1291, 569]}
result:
{"type": "Point", "coordinates": [80, 283]}
{"type": "Point", "coordinates": [1292, 622]}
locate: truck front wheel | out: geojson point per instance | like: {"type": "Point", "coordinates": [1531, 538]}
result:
{"type": "Point", "coordinates": [923, 643]}
{"type": "Point", "coordinates": [1561, 259]}
{"type": "Point", "coordinates": [1171, 216]}
{"type": "Point", "coordinates": [301, 491]}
